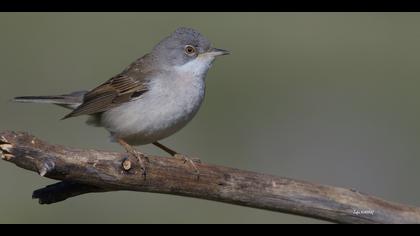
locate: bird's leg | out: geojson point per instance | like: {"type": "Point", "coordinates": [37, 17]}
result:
{"type": "Point", "coordinates": [132, 151]}
{"type": "Point", "coordinates": [180, 156]}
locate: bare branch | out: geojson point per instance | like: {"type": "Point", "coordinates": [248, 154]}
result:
{"type": "Point", "coordinates": [88, 171]}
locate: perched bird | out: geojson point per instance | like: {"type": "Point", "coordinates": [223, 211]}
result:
{"type": "Point", "coordinates": [154, 97]}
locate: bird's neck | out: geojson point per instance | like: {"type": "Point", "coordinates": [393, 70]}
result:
{"type": "Point", "coordinates": [197, 68]}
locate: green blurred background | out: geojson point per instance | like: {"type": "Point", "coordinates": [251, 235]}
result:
{"type": "Point", "coordinates": [325, 97]}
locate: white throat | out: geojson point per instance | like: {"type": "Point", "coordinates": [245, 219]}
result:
{"type": "Point", "coordinates": [198, 67]}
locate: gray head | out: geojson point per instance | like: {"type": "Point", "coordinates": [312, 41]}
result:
{"type": "Point", "coordinates": [186, 45]}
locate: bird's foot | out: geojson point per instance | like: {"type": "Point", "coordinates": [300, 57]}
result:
{"type": "Point", "coordinates": [141, 158]}
{"type": "Point", "coordinates": [191, 161]}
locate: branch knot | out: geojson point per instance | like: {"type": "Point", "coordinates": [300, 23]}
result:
{"type": "Point", "coordinates": [5, 149]}
{"type": "Point", "coordinates": [45, 167]}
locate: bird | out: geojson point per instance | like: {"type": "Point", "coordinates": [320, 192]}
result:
{"type": "Point", "coordinates": [151, 99]}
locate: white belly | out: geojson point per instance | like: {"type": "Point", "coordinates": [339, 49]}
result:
{"type": "Point", "coordinates": [168, 106]}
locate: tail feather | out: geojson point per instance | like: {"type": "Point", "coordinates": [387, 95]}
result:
{"type": "Point", "coordinates": [70, 101]}
{"type": "Point", "coordinates": [42, 99]}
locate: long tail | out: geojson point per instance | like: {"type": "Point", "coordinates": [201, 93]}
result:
{"type": "Point", "coordinates": [70, 101]}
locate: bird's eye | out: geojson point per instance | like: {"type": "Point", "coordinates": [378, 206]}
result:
{"type": "Point", "coordinates": [190, 50]}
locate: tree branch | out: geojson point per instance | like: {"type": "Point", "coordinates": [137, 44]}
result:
{"type": "Point", "coordinates": [88, 171]}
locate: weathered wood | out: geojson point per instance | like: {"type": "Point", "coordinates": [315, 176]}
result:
{"type": "Point", "coordinates": [87, 171]}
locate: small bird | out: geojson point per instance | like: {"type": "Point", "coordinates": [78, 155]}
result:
{"type": "Point", "coordinates": [154, 97]}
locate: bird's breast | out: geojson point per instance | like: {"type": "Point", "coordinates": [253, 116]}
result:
{"type": "Point", "coordinates": [168, 105]}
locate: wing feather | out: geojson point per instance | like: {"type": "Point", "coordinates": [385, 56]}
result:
{"type": "Point", "coordinates": [120, 89]}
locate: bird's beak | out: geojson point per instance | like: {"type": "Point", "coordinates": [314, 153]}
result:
{"type": "Point", "coordinates": [217, 52]}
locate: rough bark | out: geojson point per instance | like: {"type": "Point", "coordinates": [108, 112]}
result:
{"type": "Point", "coordinates": [87, 171]}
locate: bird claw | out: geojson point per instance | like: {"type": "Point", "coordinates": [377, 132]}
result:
{"type": "Point", "coordinates": [141, 158]}
{"type": "Point", "coordinates": [136, 154]}
{"type": "Point", "coordinates": [191, 161]}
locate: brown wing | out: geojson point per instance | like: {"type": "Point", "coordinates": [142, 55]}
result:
{"type": "Point", "coordinates": [119, 89]}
